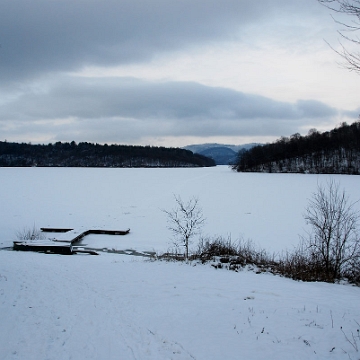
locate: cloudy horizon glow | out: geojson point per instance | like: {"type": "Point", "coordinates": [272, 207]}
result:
{"type": "Point", "coordinates": [170, 73]}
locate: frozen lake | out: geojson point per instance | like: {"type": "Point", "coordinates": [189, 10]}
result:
{"type": "Point", "coordinates": [266, 208]}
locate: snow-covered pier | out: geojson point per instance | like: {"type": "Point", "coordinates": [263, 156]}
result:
{"type": "Point", "coordinates": [62, 244]}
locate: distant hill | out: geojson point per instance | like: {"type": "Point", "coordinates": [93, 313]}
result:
{"type": "Point", "coordinates": [331, 152]}
{"type": "Point", "coordinates": [95, 155]}
{"type": "Point", "coordinates": [221, 153]}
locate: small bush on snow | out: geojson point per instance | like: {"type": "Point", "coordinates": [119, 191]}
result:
{"type": "Point", "coordinates": [30, 234]}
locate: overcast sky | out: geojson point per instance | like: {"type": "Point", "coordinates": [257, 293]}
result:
{"type": "Point", "coordinates": [170, 72]}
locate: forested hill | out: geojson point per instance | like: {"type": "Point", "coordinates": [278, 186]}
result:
{"type": "Point", "coordinates": [332, 152]}
{"type": "Point", "coordinates": [95, 155]}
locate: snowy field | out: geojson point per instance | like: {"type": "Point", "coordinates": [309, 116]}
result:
{"type": "Point", "coordinates": [123, 307]}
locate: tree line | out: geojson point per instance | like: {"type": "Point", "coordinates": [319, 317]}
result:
{"type": "Point", "coordinates": [84, 154]}
{"type": "Point", "coordinates": [331, 152]}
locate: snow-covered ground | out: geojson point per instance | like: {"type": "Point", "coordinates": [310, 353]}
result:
{"type": "Point", "coordinates": [124, 307]}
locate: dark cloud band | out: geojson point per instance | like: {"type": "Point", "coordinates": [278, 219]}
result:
{"type": "Point", "coordinates": [158, 108]}
{"type": "Point", "coordinates": [42, 36]}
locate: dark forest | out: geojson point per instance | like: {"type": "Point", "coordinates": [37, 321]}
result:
{"type": "Point", "coordinates": [87, 154]}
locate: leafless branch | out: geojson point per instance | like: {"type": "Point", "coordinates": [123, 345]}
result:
{"type": "Point", "coordinates": [334, 237]}
{"type": "Point", "coordinates": [185, 220]}
{"type": "Point", "coordinates": [351, 8]}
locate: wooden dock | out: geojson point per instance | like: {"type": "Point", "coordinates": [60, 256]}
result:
{"type": "Point", "coordinates": [63, 243]}
{"type": "Point", "coordinates": [46, 246]}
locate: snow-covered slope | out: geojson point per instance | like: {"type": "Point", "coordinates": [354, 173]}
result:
{"type": "Point", "coordinates": [119, 307]}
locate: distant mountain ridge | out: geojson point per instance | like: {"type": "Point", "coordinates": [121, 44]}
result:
{"type": "Point", "coordinates": [223, 154]}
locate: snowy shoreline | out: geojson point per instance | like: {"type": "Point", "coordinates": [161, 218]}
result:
{"type": "Point", "coordinates": [115, 306]}
{"type": "Point", "coordinates": [125, 307]}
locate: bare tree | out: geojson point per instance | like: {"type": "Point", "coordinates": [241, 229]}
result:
{"type": "Point", "coordinates": [334, 239]}
{"type": "Point", "coordinates": [185, 220]}
{"type": "Point", "coordinates": [351, 8]}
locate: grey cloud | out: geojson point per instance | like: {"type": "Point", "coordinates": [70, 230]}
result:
{"type": "Point", "coordinates": [41, 36]}
{"type": "Point", "coordinates": [314, 108]}
{"type": "Point", "coordinates": [127, 106]}
{"type": "Point", "coordinates": [354, 114]}
{"type": "Point", "coordinates": [132, 98]}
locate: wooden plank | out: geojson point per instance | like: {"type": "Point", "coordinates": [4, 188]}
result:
{"type": "Point", "coordinates": [67, 236]}
{"type": "Point", "coordinates": [74, 236]}
{"type": "Point", "coordinates": [56, 230]}
{"type": "Point", "coordinates": [43, 246]}
{"type": "Point", "coordinates": [109, 232]}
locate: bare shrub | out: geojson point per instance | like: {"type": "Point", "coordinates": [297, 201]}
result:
{"type": "Point", "coordinates": [185, 220]}
{"type": "Point", "coordinates": [333, 242]}
{"type": "Point", "coordinates": [30, 234]}
{"type": "Point", "coordinates": [236, 254]}
{"type": "Point", "coordinates": [208, 248]}
{"type": "Point", "coordinates": [172, 254]}
{"type": "Point", "coordinates": [255, 255]}
{"type": "Point", "coordinates": [302, 264]}
{"type": "Point", "coordinates": [352, 273]}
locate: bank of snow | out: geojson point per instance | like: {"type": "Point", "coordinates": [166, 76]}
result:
{"type": "Point", "coordinates": [122, 307]}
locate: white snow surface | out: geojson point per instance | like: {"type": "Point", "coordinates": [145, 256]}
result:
{"type": "Point", "coordinates": [125, 307]}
